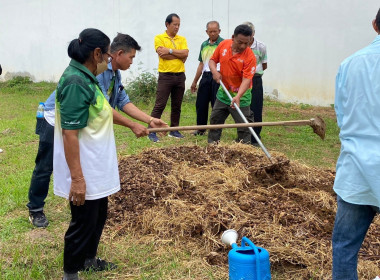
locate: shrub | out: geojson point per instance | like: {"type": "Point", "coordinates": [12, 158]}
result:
{"type": "Point", "coordinates": [189, 96]}
{"type": "Point", "coordinates": [19, 81]}
{"type": "Point", "coordinates": [143, 88]}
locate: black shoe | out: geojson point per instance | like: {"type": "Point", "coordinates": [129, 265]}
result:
{"type": "Point", "coordinates": [38, 219]}
{"type": "Point", "coordinates": [97, 264]}
{"type": "Point", "coordinates": [255, 144]}
{"type": "Point", "coordinates": [199, 132]}
{"type": "Point", "coordinates": [70, 276]}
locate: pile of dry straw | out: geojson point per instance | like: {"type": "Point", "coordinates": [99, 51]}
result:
{"type": "Point", "coordinates": [191, 194]}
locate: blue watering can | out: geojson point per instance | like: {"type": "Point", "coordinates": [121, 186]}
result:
{"type": "Point", "coordinates": [247, 262]}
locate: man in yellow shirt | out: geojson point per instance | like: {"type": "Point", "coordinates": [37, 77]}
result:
{"type": "Point", "coordinates": [172, 52]}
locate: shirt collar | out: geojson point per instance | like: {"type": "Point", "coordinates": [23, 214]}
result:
{"type": "Point", "coordinates": [84, 69]}
{"type": "Point", "coordinates": [166, 35]}
{"type": "Point", "coordinates": [229, 47]}
{"type": "Point", "coordinates": [218, 40]}
{"type": "Point", "coordinates": [109, 68]}
{"type": "Point", "coordinates": [377, 38]}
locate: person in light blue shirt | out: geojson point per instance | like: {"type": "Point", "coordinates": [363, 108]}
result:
{"type": "Point", "coordinates": [39, 183]}
{"type": "Point", "coordinates": [123, 50]}
{"type": "Point", "coordinates": [111, 80]}
{"type": "Point", "coordinates": [357, 181]}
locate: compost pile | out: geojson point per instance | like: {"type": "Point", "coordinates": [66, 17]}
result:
{"type": "Point", "coordinates": [192, 194]}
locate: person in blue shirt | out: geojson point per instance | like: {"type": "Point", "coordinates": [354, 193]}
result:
{"type": "Point", "coordinates": [123, 50]}
{"type": "Point", "coordinates": [357, 103]}
{"type": "Point", "coordinates": [39, 184]}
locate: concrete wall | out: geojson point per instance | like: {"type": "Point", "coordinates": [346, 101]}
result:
{"type": "Point", "coordinates": [306, 40]}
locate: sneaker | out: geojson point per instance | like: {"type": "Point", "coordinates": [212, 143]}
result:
{"type": "Point", "coordinates": [199, 132]}
{"type": "Point", "coordinates": [97, 264]}
{"type": "Point", "coordinates": [38, 219]}
{"type": "Point", "coordinates": [153, 137]}
{"type": "Point", "coordinates": [176, 134]}
{"type": "Point", "coordinates": [255, 144]}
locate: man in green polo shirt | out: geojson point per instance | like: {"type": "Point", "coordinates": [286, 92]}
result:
{"type": "Point", "coordinates": [207, 86]}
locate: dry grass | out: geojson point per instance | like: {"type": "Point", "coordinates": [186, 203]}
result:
{"type": "Point", "coordinates": [189, 195]}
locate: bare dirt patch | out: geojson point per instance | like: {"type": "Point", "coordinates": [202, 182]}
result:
{"type": "Point", "coordinates": [193, 194]}
{"type": "Point", "coordinates": [308, 112]}
{"type": "Point", "coordinates": [38, 234]}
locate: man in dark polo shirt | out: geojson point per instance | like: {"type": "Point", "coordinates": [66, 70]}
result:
{"type": "Point", "coordinates": [207, 86]}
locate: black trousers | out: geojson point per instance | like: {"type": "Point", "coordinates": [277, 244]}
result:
{"type": "Point", "coordinates": [83, 235]}
{"type": "Point", "coordinates": [219, 114]}
{"type": "Point", "coordinates": [173, 85]}
{"type": "Point", "coordinates": [39, 184]}
{"type": "Point", "coordinates": [257, 104]}
{"type": "Point", "coordinates": [206, 94]}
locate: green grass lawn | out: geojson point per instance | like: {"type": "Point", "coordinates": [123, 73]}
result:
{"type": "Point", "coordinates": [28, 253]}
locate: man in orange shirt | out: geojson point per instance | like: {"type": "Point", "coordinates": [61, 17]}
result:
{"type": "Point", "coordinates": [237, 67]}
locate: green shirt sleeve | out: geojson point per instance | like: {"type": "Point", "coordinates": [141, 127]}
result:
{"type": "Point", "coordinates": [200, 55]}
{"type": "Point", "coordinates": [74, 106]}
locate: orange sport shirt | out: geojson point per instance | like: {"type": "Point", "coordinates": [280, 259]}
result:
{"type": "Point", "coordinates": [233, 68]}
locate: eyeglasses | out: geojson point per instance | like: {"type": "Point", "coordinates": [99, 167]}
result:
{"type": "Point", "coordinates": [110, 57]}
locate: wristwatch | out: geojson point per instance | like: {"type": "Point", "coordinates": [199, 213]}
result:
{"type": "Point", "coordinates": [170, 51]}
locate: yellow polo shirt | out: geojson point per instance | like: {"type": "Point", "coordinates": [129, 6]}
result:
{"type": "Point", "coordinates": [177, 43]}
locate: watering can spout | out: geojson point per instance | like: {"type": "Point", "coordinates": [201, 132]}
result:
{"type": "Point", "coordinates": [229, 237]}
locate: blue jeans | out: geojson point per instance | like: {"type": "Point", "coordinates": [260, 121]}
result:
{"type": "Point", "coordinates": [39, 185]}
{"type": "Point", "coordinates": [351, 225]}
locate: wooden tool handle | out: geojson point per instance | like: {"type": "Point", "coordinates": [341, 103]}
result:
{"type": "Point", "coordinates": [234, 125]}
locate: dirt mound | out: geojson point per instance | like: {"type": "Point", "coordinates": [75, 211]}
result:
{"type": "Point", "coordinates": [193, 194]}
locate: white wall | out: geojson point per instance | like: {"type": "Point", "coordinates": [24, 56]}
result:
{"type": "Point", "coordinates": [306, 39]}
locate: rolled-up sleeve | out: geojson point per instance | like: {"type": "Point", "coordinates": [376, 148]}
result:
{"type": "Point", "coordinates": [101, 81]}
{"type": "Point", "coordinates": [123, 99]}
